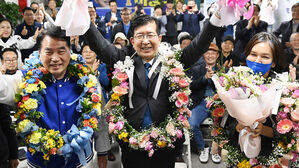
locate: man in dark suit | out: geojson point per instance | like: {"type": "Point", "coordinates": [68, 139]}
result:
{"type": "Point", "coordinates": [146, 41]}
{"type": "Point", "coordinates": [112, 18]}
{"type": "Point", "coordinates": [124, 25]}
{"type": "Point", "coordinates": [287, 28]}
{"type": "Point", "coordinates": [245, 30]}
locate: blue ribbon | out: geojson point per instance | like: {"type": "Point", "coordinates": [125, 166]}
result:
{"type": "Point", "coordinates": [78, 142]}
{"type": "Point", "coordinates": [85, 90]}
{"type": "Point", "coordinates": [30, 127]}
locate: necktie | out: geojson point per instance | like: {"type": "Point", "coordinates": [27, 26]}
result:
{"type": "Point", "coordinates": [147, 120]}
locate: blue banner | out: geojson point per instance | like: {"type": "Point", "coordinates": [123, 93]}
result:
{"type": "Point", "coordinates": [127, 3]}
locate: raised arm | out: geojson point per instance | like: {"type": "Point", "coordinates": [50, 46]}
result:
{"type": "Point", "coordinates": [9, 85]}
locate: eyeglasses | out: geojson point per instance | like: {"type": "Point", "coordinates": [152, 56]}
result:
{"type": "Point", "coordinates": [147, 36]}
{"type": "Point", "coordinates": [126, 14]}
{"type": "Point", "coordinates": [12, 60]}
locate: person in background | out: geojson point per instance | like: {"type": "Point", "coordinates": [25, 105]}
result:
{"type": "Point", "coordinates": [124, 25]}
{"type": "Point", "coordinates": [202, 86]}
{"type": "Point", "coordinates": [171, 30]}
{"type": "Point", "coordinates": [111, 18]}
{"type": "Point", "coordinates": [8, 138]}
{"type": "Point", "coordinates": [227, 58]}
{"type": "Point", "coordinates": [77, 43]}
{"type": "Point", "coordinates": [292, 53]}
{"type": "Point", "coordinates": [158, 14]}
{"type": "Point", "coordinates": [287, 28]}
{"type": "Point", "coordinates": [179, 9]}
{"type": "Point", "coordinates": [95, 19]}
{"type": "Point", "coordinates": [267, 12]}
{"type": "Point", "coordinates": [27, 29]}
{"type": "Point", "coordinates": [121, 39]}
{"type": "Point", "coordinates": [8, 40]}
{"type": "Point", "coordinates": [52, 11]}
{"type": "Point", "coordinates": [34, 6]}
{"type": "Point", "coordinates": [138, 10]}
{"type": "Point", "coordinates": [44, 18]}
{"type": "Point", "coordinates": [184, 39]}
{"type": "Point", "coordinates": [102, 144]}
{"type": "Point", "coordinates": [245, 30]}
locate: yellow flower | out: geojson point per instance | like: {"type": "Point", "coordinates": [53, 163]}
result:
{"type": "Point", "coordinates": [35, 137]}
{"type": "Point", "coordinates": [244, 164]}
{"type": "Point", "coordinates": [22, 85]}
{"type": "Point", "coordinates": [46, 156]}
{"type": "Point", "coordinates": [80, 75]}
{"type": "Point", "coordinates": [31, 150]}
{"type": "Point", "coordinates": [30, 104]}
{"type": "Point", "coordinates": [42, 84]}
{"type": "Point", "coordinates": [123, 135]}
{"type": "Point", "coordinates": [92, 80]}
{"type": "Point", "coordinates": [60, 142]}
{"type": "Point", "coordinates": [31, 87]}
{"type": "Point", "coordinates": [22, 125]}
{"type": "Point", "coordinates": [90, 84]}
{"type": "Point", "coordinates": [50, 133]}
{"type": "Point", "coordinates": [98, 106]}
{"type": "Point", "coordinates": [50, 144]}
{"type": "Point", "coordinates": [30, 73]}
{"type": "Point", "coordinates": [161, 144]}
{"type": "Point", "coordinates": [114, 97]}
{"type": "Point", "coordinates": [85, 70]}
{"type": "Point", "coordinates": [74, 57]}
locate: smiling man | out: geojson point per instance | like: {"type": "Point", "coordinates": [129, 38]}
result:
{"type": "Point", "coordinates": [146, 40]}
{"type": "Point", "coordinates": [58, 111]}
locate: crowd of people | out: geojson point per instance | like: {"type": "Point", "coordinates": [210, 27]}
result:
{"type": "Point", "coordinates": [121, 33]}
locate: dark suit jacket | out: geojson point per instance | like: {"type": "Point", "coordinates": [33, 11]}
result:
{"type": "Point", "coordinates": [108, 16]}
{"type": "Point", "coordinates": [243, 35]}
{"type": "Point", "coordinates": [142, 95]}
{"type": "Point", "coordinates": [191, 22]}
{"type": "Point", "coordinates": [285, 29]}
{"type": "Point", "coordinates": [120, 28]}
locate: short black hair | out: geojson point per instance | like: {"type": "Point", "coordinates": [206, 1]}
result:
{"type": "Point", "coordinates": [258, 7]}
{"type": "Point", "coordinates": [143, 20]}
{"type": "Point", "coordinates": [8, 49]}
{"type": "Point", "coordinates": [184, 38]}
{"type": "Point", "coordinates": [5, 19]}
{"type": "Point", "coordinates": [27, 8]}
{"type": "Point", "coordinates": [53, 32]}
{"type": "Point", "coordinates": [34, 3]}
{"type": "Point", "coordinates": [112, 1]}
{"type": "Point", "coordinates": [295, 5]}
{"type": "Point", "coordinates": [228, 38]}
{"type": "Point", "coordinates": [157, 7]}
{"type": "Point", "coordinates": [125, 9]}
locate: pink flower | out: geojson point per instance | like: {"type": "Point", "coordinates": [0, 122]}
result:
{"type": "Point", "coordinates": [186, 123]}
{"type": "Point", "coordinates": [95, 97]}
{"type": "Point", "coordinates": [183, 83]}
{"type": "Point", "coordinates": [120, 91]}
{"type": "Point", "coordinates": [91, 90]}
{"type": "Point", "coordinates": [274, 166]}
{"type": "Point", "coordinates": [133, 141]}
{"type": "Point", "coordinates": [124, 85]}
{"type": "Point", "coordinates": [218, 112]}
{"type": "Point", "coordinates": [209, 103]}
{"type": "Point", "coordinates": [253, 161]}
{"type": "Point", "coordinates": [182, 99]}
{"type": "Point", "coordinates": [115, 71]}
{"type": "Point", "coordinates": [149, 146]}
{"type": "Point", "coordinates": [119, 125]}
{"type": "Point", "coordinates": [263, 88]}
{"type": "Point", "coordinates": [175, 79]}
{"type": "Point", "coordinates": [296, 93]}
{"type": "Point", "coordinates": [176, 72]}
{"type": "Point", "coordinates": [121, 76]}
{"type": "Point", "coordinates": [285, 91]}
{"type": "Point", "coordinates": [111, 127]}
{"type": "Point", "coordinates": [295, 115]}
{"type": "Point", "coordinates": [284, 126]}
{"type": "Point", "coordinates": [170, 129]}
{"type": "Point", "coordinates": [221, 80]}
{"type": "Point", "coordinates": [214, 132]}
{"type": "Point", "coordinates": [286, 109]}
{"type": "Point", "coordinates": [181, 118]}
{"type": "Point", "coordinates": [144, 140]}
{"type": "Point", "coordinates": [179, 133]}
{"type": "Point", "coordinates": [109, 118]}
{"type": "Point", "coordinates": [281, 115]}
{"type": "Point", "coordinates": [297, 150]}
{"type": "Point", "coordinates": [154, 134]}
{"type": "Point", "coordinates": [150, 153]}
{"type": "Point", "coordinates": [287, 101]}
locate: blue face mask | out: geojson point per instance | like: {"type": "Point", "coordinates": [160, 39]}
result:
{"type": "Point", "coordinates": [258, 67]}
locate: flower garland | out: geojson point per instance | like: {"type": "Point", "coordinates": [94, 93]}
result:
{"type": "Point", "coordinates": [172, 128]}
{"type": "Point", "coordinates": [286, 148]}
{"type": "Point", "coordinates": [49, 142]}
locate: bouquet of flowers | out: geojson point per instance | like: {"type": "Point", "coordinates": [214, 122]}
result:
{"type": "Point", "coordinates": [248, 100]}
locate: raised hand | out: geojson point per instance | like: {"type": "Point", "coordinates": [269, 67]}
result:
{"type": "Point", "coordinates": [292, 73]}
{"type": "Point", "coordinates": [209, 73]}
{"type": "Point", "coordinates": [3, 68]}
{"type": "Point", "coordinates": [37, 32]}
{"type": "Point", "coordinates": [257, 20]}
{"type": "Point", "coordinates": [24, 31]}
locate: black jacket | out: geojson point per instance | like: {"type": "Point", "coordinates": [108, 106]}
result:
{"type": "Point", "coordinates": [285, 29]}
{"type": "Point", "coordinates": [142, 95]}
{"type": "Point", "coordinates": [8, 140]}
{"type": "Point", "coordinates": [120, 28]}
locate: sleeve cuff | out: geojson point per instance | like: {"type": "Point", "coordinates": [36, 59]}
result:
{"type": "Point", "coordinates": [215, 20]}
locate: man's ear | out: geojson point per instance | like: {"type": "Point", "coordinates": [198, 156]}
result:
{"type": "Point", "coordinates": [132, 40]}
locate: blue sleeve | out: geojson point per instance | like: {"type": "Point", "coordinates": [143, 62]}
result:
{"type": "Point", "coordinates": [103, 78]}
